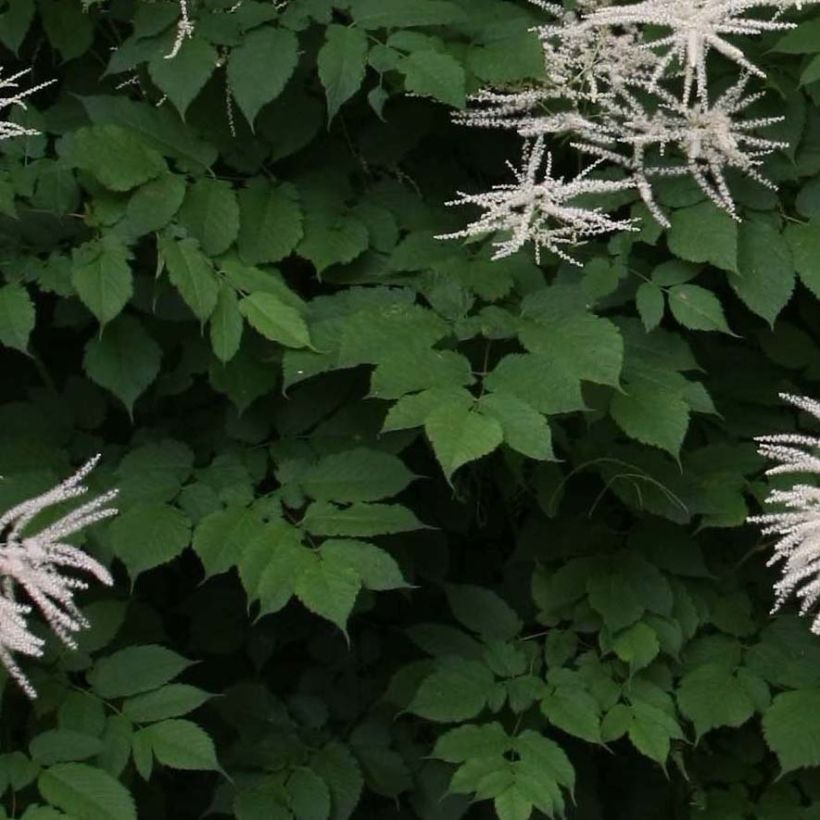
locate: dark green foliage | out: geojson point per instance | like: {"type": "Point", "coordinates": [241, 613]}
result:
{"type": "Point", "coordinates": [404, 532]}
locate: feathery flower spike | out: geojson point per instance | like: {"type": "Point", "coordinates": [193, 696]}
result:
{"type": "Point", "coordinates": [38, 564]}
{"type": "Point", "coordinates": [538, 208]}
{"type": "Point", "coordinates": [11, 95]}
{"type": "Point", "coordinates": [797, 525]}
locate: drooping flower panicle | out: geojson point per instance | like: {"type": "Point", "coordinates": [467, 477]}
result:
{"type": "Point", "coordinates": [39, 566]}
{"type": "Point", "coordinates": [10, 95]}
{"type": "Point", "coordinates": [639, 100]}
{"type": "Point", "coordinates": [797, 523]}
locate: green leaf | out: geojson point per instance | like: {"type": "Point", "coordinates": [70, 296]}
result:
{"type": "Point", "coordinates": [412, 411]}
{"type": "Point", "coordinates": [791, 726]}
{"type": "Point", "coordinates": [697, 308]}
{"type": "Point", "coordinates": [116, 739]}
{"type": "Point", "coordinates": [650, 304]}
{"type": "Point", "coordinates": [405, 371]}
{"type": "Point", "coordinates": [338, 768]}
{"type": "Point", "coordinates": [86, 793]}
{"type": "Point", "coordinates": [457, 690]}
{"type": "Point", "coordinates": [124, 360]}
{"type": "Point", "coordinates": [482, 611]}
{"type": "Point", "coordinates": [804, 240]}
{"type": "Point", "coordinates": [275, 320]}
{"type": "Point", "coordinates": [525, 429]}
{"type": "Point", "coordinates": [226, 324]}
{"type": "Point", "coordinates": [191, 274]}
{"type": "Point", "coordinates": [766, 270]}
{"type": "Point", "coordinates": [309, 795]}
{"type": "Point", "coordinates": [60, 745]}
{"type": "Point", "coordinates": [342, 61]}
{"type": "Point", "coordinates": [270, 222]}
{"type": "Point", "coordinates": [637, 645]}
{"type": "Point", "coordinates": [359, 520]}
{"type": "Point", "coordinates": [135, 669]}
{"type": "Point", "coordinates": [102, 277]}
{"type": "Point", "coordinates": [260, 66]}
{"type": "Point", "coordinates": [184, 76]}
{"type": "Point", "coordinates": [712, 696]}
{"type": "Point", "coordinates": [69, 29]}
{"type": "Point", "coordinates": [356, 475]}
{"type": "Point", "coordinates": [17, 317]}
{"type": "Point", "coordinates": [152, 206]}
{"type": "Point", "coordinates": [811, 73]}
{"type": "Point", "coordinates": [169, 701]}
{"type": "Point", "coordinates": [210, 214]}
{"type": "Point", "coordinates": [220, 538]}
{"type": "Point", "coordinates": [116, 156]}
{"type": "Point", "coordinates": [400, 14]}
{"type": "Point", "coordinates": [804, 39]}
{"type": "Point", "coordinates": [332, 240]}
{"type": "Point", "coordinates": [704, 233]}
{"type": "Point", "coordinates": [465, 742]}
{"type": "Point", "coordinates": [655, 417]}
{"type": "Point", "coordinates": [651, 730]}
{"type": "Point", "coordinates": [181, 744]}
{"type": "Point", "coordinates": [148, 535]}
{"type": "Point", "coordinates": [154, 472]}
{"type": "Point", "coordinates": [574, 711]}
{"type": "Point", "coordinates": [377, 569]}
{"type": "Point", "coordinates": [460, 435]}
{"type": "Point", "coordinates": [328, 587]}
{"type": "Point", "coordinates": [436, 75]}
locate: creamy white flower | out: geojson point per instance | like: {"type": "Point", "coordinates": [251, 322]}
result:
{"type": "Point", "coordinates": [39, 565]}
{"type": "Point", "coordinates": [11, 94]}
{"type": "Point", "coordinates": [539, 208]}
{"type": "Point", "coordinates": [797, 525]}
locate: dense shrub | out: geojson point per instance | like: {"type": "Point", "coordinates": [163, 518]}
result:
{"type": "Point", "coordinates": [403, 531]}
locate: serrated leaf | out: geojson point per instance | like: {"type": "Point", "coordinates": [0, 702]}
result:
{"type": "Point", "coordinates": [134, 670]}
{"type": "Point", "coordinates": [124, 360]}
{"type": "Point", "coordinates": [456, 691]}
{"type": "Point", "coordinates": [192, 275]}
{"type": "Point", "coordinates": [260, 66]}
{"type": "Point", "coordinates": [275, 320]}
{"type": "Point", "coordinates": [804, 241]}
{"type": "Point", "coordinates": [338, 768]}
{"type": "Point", "coordinates": [328, 587]}
{"type": "Point", "coordinates": [210, 214]}
{"type": "Point", "coordinates": [637, 646]}
{"type": "Point", "coordinates": [226, 324]}
{"type": "Point", "coordinates": [653, 417]}
{"type": "Point", "coordinates": [154, 471]}
{"type": "Point", "coordinates": [482, 611]}
{"type": "Point", "coordinates": [116, 156]}
{"type": "Point", "coordinates": [181, 744]}
{"type": "Point", "coordinates": [791, 726]}
{"type": "Point", "coordinates": [342, 61]}
{"type": "Point", "coordinates": [712, 696]}
{"type": "Point", "coordinates": [574, 711]}
{"type": "Point", "coordinates": [169, 701]}
{"type": "Point", "coordinates": [332, 240]}
{"type": "Point", "coordinates": [400, 14]}
{"type": "Point", "coordinates": [465, 742]}
{"type": "Point", "coordinates": [376, 569]}
{"type": "Point", "coordinates": [270, 222]}
{"type": "Point", "coordinates": [697, 308]}
{"type": "Point", "coordinates": [704, 233]}
{"type": "Point", "coordinates": [650, 304]}
{"type": "Point", "coordinates": [184, 76]}
{"type": "Point", "coordinates": [359, 520]}
{"type": "Point", "coordinates": [102, 277]}
{"type": "Point", "coordinates": [152, 206]}
{"type": "Point", "coordinates": [17, 317]}
{"type": "Point", "coordinates": [436, 75]}
{"type": "Point", "coordinates": [86, 793]}
{"type": "Point", "coordinates": [220, 537]}
{"type": "Point", "coordinates": [460, 435]}
{"type": "Point", "coordinates": [766, 270]}
{"type": "Point", "coordinates": [356, 475]}
{"type": "Point", "coordinates": [61, 745]}
{"type": "Point", "coordinates": [525, 429]}
{"type": "Point", "coordinates": [147, 535]}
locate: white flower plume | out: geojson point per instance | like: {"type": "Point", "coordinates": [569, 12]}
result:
{"type": "Point", "coordinates": [538, 208]}
{"type": "Point", "coordinates": [12, 94]}
{"type": "Point", "coordinates": [37, 565]}
{"type": "Point", "coordinates": [623, 92]}
{"type": "Point", "coordinates": [797, 524]}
